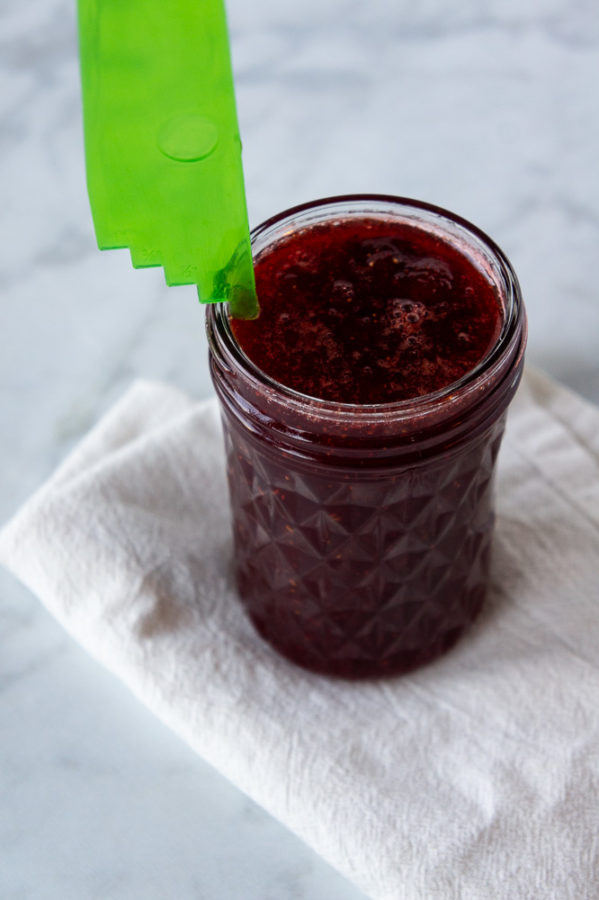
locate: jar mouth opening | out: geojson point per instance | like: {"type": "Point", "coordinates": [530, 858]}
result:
{"type": "Point", "coordinates": [447, 226]}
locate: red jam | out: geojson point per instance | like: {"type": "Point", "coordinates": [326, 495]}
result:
{"type": "Point", "coordinates": [362, 501]}
{"type": "Point", "coordinates": [368, 311]}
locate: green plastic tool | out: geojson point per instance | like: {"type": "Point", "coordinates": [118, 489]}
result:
{"type": "Point", "coordinates": [162, 146]}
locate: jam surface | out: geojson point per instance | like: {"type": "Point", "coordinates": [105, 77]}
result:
{"type": "Point", "coordinates": [368, 310]}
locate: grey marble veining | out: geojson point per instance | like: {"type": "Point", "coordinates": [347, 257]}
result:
{"type": "Point", "coordinates": [487, 108]}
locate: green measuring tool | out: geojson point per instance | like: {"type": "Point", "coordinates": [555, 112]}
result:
{"type": "Point", "coordinates": [162, 147]}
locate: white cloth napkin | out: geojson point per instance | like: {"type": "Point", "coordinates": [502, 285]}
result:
{"type": "Point", "coordinates": [476, 777]}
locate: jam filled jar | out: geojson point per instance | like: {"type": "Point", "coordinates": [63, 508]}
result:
{"type": "Point", "coordinates": [363, 412]}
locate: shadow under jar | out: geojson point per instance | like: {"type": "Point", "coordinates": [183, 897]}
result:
{"type": "Point", "coordinates": [362, 531]}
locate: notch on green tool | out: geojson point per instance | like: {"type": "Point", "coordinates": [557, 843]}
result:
{"type": "Point", "coordinates": [162, 146]}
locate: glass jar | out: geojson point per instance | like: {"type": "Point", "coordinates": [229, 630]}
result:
{"type": "Point", "coordinates": [362, 533]}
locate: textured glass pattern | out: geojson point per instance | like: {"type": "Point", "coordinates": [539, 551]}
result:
{"type": "Point", "coordinates": [364, 573]}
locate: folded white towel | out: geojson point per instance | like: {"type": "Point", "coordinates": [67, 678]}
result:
{"type": "Point", "coordinates": [476, 777]}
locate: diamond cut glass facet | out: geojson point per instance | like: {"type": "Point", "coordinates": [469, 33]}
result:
{"type": "Point", "coordinates": [357, 574]}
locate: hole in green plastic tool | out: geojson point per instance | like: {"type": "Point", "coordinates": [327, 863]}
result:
{"type": "Point", "coordinates": [188, 137]}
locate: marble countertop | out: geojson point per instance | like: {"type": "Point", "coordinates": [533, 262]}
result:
{"type": "Point", "coordinates": [487, 108]}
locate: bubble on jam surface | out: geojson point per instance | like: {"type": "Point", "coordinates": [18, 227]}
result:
{"type": "Point", "coordinates": [343, 290]}
{"type": "Point", "coordinates": [405, 313]}
{"type": "Point", "coordinates": [368, 311]}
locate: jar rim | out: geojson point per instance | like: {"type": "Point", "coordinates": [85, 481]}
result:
{"type": "Point", "coordinates": [381, 205]}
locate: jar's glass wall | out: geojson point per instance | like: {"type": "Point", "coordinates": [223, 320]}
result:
{"type": "Point", "coordinates": [362, 534]}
